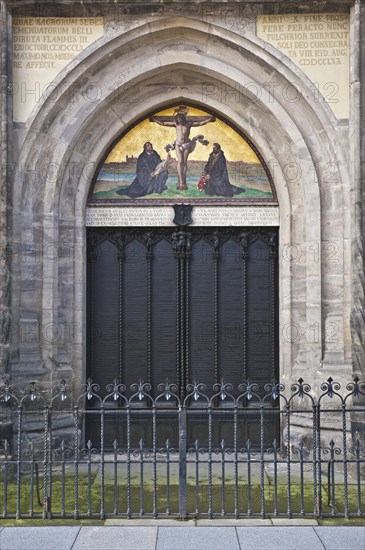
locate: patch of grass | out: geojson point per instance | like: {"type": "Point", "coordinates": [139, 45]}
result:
{"type": "Point", "coordinates": [352, 522]}
{"type": "Point", "coordinates": [89, 501]}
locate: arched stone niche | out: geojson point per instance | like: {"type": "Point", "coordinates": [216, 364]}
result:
{"type": "Point", "coordinates": [122, 80]}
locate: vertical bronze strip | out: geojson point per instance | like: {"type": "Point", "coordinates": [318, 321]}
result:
{"type": "Point", "coordinates": [181, 246]}
{"type": "Point", "coordinates": [187, 282]}
{"type": "Point", "coordinates": [244, 255]}
{"type": "Point", "coordinates": [215, 256]}
{"type": "Point", "coordinates": [273, 256]}
{"type": "Point", "coordinates": [182, 324]}
{"type": "Point", "coordinates": [91, 259]}
{"type": "Point", "coordinates": [178, 306]}
{"type": "Point", "coordinates": [120, 332]}
{"type": "Point", "coordinates": [148, 241]}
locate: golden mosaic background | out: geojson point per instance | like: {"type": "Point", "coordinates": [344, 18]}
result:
{"type": "Point", "coordinates": [234, 146]}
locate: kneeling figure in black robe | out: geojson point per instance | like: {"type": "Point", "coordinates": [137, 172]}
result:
{"type": "Point", "coordinates": [145, 182]}
{"type": "Point", "coordinates": [217, 181]}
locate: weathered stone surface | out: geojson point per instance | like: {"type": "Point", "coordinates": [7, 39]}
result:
{"type": "Point", "coordinates": [299, 538]}
{"type": "Point", "coordinates": [50, 538]}
{"type": "Point", "coordinates": [207, 538]}
{"type": "Point", "coordinates": [122, 538]}
{"type": "Point", "coordinates": [5, 205]}
{"type": "Point", "coordinates": [345, 538]}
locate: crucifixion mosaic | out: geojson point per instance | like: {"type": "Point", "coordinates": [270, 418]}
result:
{"type": "Point", "coordinates": [183, 154]}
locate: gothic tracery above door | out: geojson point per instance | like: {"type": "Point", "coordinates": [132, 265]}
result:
{"type": "Point", "coordinates": [182, 154]}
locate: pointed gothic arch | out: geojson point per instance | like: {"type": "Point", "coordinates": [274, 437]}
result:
{"type": "Point", "coordinates": [61, 152]}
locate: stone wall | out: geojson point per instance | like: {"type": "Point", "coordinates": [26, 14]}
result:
{"type": "Point", "coordinates": [5, 194]}
{"type": "Point", "coordinates": [151, 55]}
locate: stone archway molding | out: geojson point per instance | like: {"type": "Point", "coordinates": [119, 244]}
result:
{"type": "Point", "coordinates": [121, 80]}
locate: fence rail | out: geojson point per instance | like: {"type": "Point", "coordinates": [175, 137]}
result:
{"type": "Point", "coordinates": [233, 452]}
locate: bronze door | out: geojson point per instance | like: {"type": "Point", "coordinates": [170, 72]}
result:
{"type": "Point", "coordinates": [182, 304]}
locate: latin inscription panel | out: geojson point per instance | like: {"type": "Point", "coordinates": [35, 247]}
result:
{"type": "Point", "coordinates": [319, 45]}
{"type": "Point", "coordinates": [42, 47]}
{"type": "Point", "coordinates": [164, 215]}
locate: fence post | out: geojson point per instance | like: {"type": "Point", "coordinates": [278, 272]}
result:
{"type": "Point", "coordinates": [315, 463]}
{"type": "Point", "coordinates": [182, 463]}
{"type": "Point", "coordinates": [319, 459]}
{"type": "Point", "coordinates": [19, 461]}
{"type": "Point", "coordinates": [76, 461]}
{"type": "Point", "coordinates": [102, 464]}
{"type": "Point", "coordinates": [46, 443]}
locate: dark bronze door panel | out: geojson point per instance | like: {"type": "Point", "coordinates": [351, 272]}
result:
{"type": "Point", "coordinates": [183, 305]}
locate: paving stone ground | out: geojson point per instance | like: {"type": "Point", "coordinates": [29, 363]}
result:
{"type": "Point", "coordinates": [152, 535]}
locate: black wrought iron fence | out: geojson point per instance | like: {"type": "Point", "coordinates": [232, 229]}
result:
{"type": "Point", "coordinates": [232, 452]}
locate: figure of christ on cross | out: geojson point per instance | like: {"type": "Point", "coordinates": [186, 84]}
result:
{"type": "Point", "coordinates": [183, 144]}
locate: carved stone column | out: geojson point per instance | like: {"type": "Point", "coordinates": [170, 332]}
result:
{"type": "Point", "coordinates": [357, 172]}
{"type": "Point", "coordinates": [5, 112]}
{"type": "Point", "coordinates": [357, 168]}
